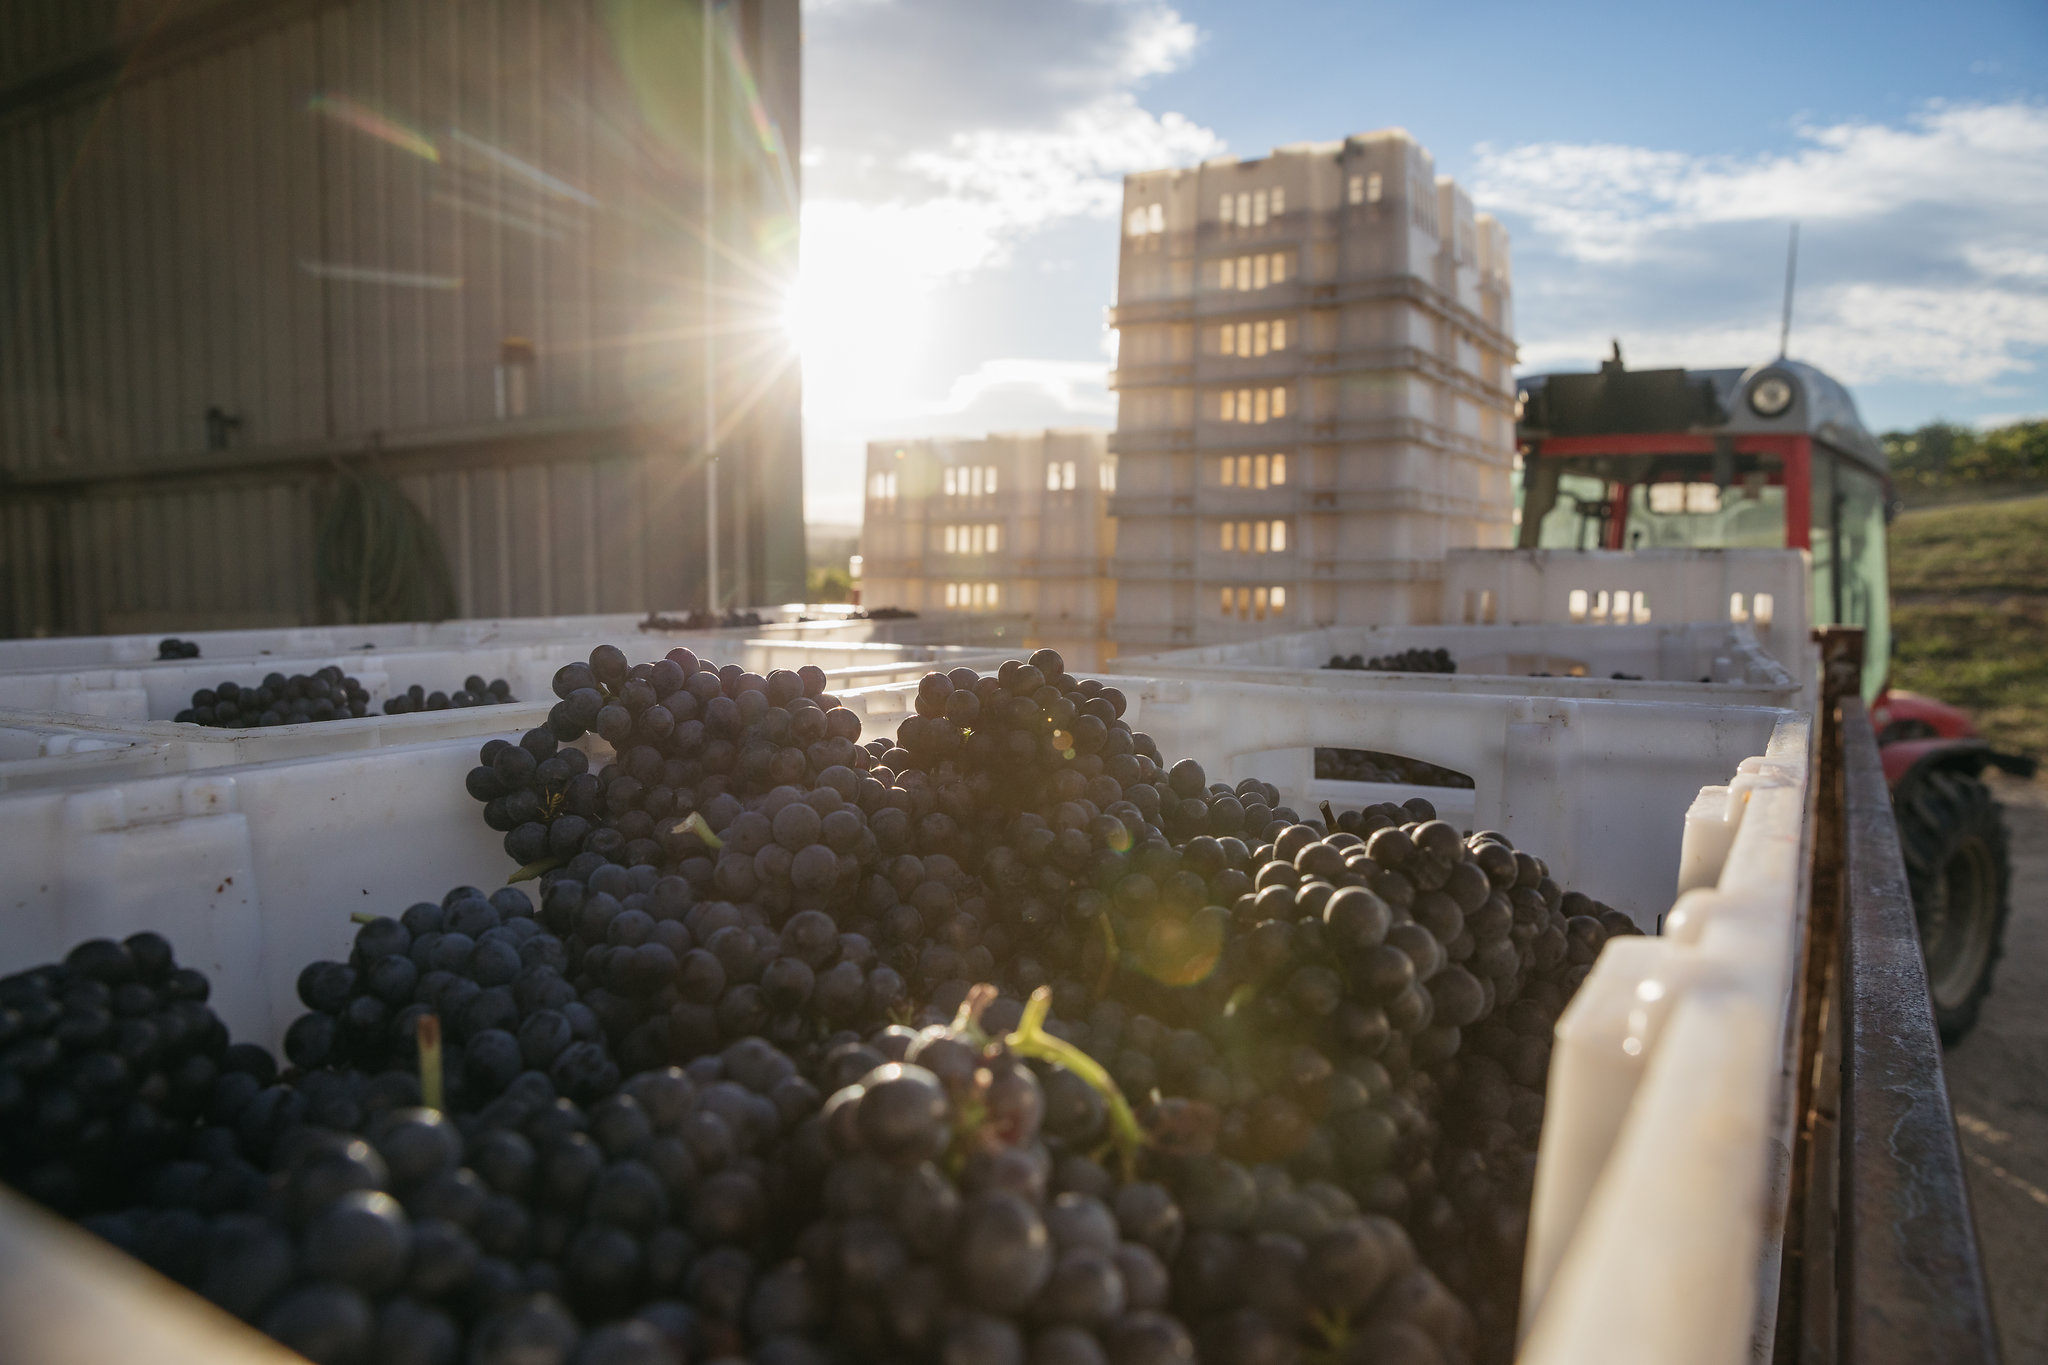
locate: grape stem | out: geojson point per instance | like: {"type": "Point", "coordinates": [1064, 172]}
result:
{"type": "Point", "coordinates": [430, 1061]}
{"type": "Point", "coordinates": [1109, 957]}
{"type": "Point", "coordinates": [696, 825]}
{"type": "Point", "coordinates": [363, 917]}
{"type": "Point", "coordinates": [1031, 1040]}
{"type": "Point", "coordinates": [967, 1021]}
{"type": "Point", "coordinates": [1334, 1328]}
{"type": "Point", "coordinates": [1329, 819]}
{"type": "Point", "coordinates": [534, 869]}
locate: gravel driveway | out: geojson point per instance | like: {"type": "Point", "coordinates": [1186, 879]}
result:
{"type": "Point", "coordinates": [1998, 1082]}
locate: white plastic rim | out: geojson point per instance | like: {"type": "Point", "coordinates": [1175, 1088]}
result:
{"type": "Point", "coordinates": [110, 737]}
{"type": "Point", "coordinates": [1713, 662]}
{"type": "Point", "coordinates": [1660, 1183]}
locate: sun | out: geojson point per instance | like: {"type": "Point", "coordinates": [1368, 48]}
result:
{"type": "Point", "coordinates": [856, 328]}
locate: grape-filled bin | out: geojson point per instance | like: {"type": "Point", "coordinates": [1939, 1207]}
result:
{"type": "Point", "coordinates": [255, 869]}
{"type": "Point", "coordinates": [158, 691]}
{"type": "Point", "coordinates": [62, 725]}
{"type": "Point", "coordinates": [1602, 786]}
{"type": "Point", "coordinates": [1715, 662]}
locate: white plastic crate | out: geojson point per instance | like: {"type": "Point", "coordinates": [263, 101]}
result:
{"type": "Point", "coordinates": [1660, 1186]}
{"type": "Point", "coordinates": [67, 726]}
{"type": "Point", "coordinates": [159, 690]}
{"type": "Point", "coordinates": [824, 624]}
{"type": "Point", "coordinates": [50, 750]}
{"type": "Point", "coordinates": [251, 871]}
{"type": "Point", "coordinates": [1690, 661]}
{"type": "Point", "coordinates": [101, 651]}
{"type": "Point", "coordinates": [1771, 591]}
{"type": "Point", "coordinates": [1660, 1173]}
{"type": "Point", "coordinates": [1597, 788]}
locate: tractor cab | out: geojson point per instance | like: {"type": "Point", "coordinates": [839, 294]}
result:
{"type": "Point", "coordinates": [1774, 456]}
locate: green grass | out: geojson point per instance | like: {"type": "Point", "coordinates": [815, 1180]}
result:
{"type": "Point", "coordinates": [1990, 658]}
{"type": "Point", "coordinates": [1970, 613]}
{"type": "Point", "coordinates": [1972, 548]}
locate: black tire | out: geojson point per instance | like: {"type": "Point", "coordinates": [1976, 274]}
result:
{"type": "Point", "coordinates": [1953, 837]}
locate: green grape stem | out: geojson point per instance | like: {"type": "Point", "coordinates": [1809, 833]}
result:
{"type": "Point", "coordinates": [1334, 1328]}
{"type": "Point", "coordinates": [534, 869]}
{"type": "Point", "coordinates": [362, 917]}
{"type": "Point", "coordinates": [967, 1022]}
{"type": "Point", "coordinates": [697, 826]}
{"type": "Point", "coordinates": [1110, 955]}
{"type": "Point", "coordinates": [1031, 1040]}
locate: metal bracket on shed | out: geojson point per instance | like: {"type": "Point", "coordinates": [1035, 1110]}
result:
{"type": "Point", "coordinates": [1880, 1260]}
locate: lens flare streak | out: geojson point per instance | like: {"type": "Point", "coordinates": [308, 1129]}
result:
{"type": "Point", "coordinates": [361, 117]}
{"type": "Point", "coordinates": [525, 170]}
{"type": "Point", "coordinates": [369, 274]}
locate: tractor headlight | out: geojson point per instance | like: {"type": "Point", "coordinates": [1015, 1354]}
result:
{"type": "Point", "coordinates": [1770, 396]}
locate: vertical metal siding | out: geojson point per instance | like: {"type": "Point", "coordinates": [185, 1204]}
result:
{"type": "Point", "coordinates": [35, 37]}
{"type": "Point", "coordinates": [154, 254]}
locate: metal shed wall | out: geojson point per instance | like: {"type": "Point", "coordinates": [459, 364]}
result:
{"type": "Point", "coordinates": [325, 220]}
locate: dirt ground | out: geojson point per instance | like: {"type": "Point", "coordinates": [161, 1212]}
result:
{"type": "Point", "coordinates": [1998, 1082]}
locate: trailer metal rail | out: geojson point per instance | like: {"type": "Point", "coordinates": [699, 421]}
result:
{"type": "Point", "coordinates": [1881, 1256]}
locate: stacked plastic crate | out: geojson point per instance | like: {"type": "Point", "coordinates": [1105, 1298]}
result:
{"type": "Point", "coordinates": [1315, 400]}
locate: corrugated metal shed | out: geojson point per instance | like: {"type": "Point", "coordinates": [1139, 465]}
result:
{"type": "Point", "coordinates": [243, 244]}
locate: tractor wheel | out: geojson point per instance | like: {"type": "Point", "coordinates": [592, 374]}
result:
{"type": "Point", "coordinates": [1953, 839]}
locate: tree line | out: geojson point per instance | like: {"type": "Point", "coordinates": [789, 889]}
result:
{"type": "Point", "coordinates": [1948, 455]}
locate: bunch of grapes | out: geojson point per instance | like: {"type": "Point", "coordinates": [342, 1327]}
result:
{"type": "Point", "coordinates": [1118, 1066]}
{"type": "Point", "coordinates": [328, 694]}
{"type": "Point", "coordinates": [485, 969]}
{"type": "Point", "coordinates": [171, 647]}
{"type": "Point", "coordinates": [697, 618]}
{"type": "Point", "coordinates": [473, 692]}
{"type": "Point", "coordinates": [1370, 765]}
{"type": "Point", "coordinates": [109, 1060]}
{"type": "Point", "coordinates": [510, 1216]}
{"type": "Point", "coordinates": [1417, 660]}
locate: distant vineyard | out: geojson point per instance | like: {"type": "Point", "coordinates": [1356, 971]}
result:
{"type": "Point", "coordinates": [1944, 455]}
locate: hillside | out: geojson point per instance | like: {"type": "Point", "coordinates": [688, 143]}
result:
{"type": "Point", "coordinates": [1970, 594]}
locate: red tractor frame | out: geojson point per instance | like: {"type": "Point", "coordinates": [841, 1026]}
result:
{"type": "Point", "coordinates": [1777, 456]}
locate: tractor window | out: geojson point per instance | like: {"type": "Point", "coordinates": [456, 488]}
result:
{"type": "Point", "coordinates": [1866, 589]}
{"type": "Point", "coordinates": [1673, 502]}
{"type": "Point", "coordinates": [1574, 514]}
{"type": "Point", "coordinates": [1827, 607]}
{"type": "Point", "coordinates": [1850, 584]}
{"type": "Point", "coordinates": [1703, 516]}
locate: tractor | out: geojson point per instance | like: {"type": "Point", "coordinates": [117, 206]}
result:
{"type": "Point", "coordinates": [1776, 456]}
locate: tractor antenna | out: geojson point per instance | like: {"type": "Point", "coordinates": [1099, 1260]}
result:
{"type": "Point", "coordinates": [1791, 270]}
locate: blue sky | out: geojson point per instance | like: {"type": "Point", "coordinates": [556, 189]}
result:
{"type": "Point", "coordinates": [963, 162]}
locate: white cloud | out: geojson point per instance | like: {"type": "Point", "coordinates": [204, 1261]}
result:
{"type": "Point", "coordinates": [2007, 262]}
{"type": "Point", "coordinates": [1030, 178]}
{"type": "Point", "coordinates": [1076, 387]}
{"type": "Point", "coordinates": [1860, 333]}
{"type": "Point", "coordinates": [1920, 252]}
{"type": "Point", "coordinates": [929, 164]}
{"type": "Point", "coordinates": [1608, 203]}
